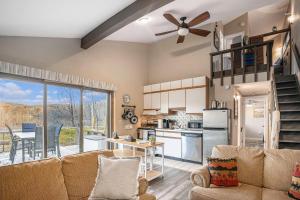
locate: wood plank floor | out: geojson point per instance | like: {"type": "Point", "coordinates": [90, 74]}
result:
{"type": "Point", "coordinates": [174, 186]}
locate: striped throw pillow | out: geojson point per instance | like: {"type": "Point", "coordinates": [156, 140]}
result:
{"type": "Point", "coordinates": [294, 191]}
{"type": "Point", "coordinates": [223, 172]}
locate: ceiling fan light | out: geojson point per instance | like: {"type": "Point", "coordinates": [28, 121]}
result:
{"type": "Point", "coordinates": [183, 31]}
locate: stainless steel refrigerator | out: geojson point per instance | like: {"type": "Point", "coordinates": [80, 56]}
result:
{"type": "Point", "coordinates": [216, 130]}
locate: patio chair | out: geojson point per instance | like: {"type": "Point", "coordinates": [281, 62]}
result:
{"type": "Point", "coordinates": [14, 143]}
{"type": "Point", "coordinates": [57, 135]}
{"type": "Point", "coordinates": [38, 141]}
{"type": "Point", "coordinates": [28, 127]}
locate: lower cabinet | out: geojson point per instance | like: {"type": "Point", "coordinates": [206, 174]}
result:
{"type": "Point", "coordinates": [172, 146]}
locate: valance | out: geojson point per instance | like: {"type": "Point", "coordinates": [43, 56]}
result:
{"type": "Point", "coordinates": [25, 71]}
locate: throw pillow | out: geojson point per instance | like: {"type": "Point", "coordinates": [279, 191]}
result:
{"type": "Point", "coordinates": [294, 191]}
{"type": "Point", "coordinates": [116, 179]}
{"type": "Point", "coordinates": [223, 172]}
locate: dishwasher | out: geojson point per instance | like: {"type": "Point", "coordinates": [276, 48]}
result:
{"type": "Point", "coordinates": [191, 147]}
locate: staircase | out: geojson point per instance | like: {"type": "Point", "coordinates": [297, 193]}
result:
{"type": "Point", "coordinates": [288, 95]}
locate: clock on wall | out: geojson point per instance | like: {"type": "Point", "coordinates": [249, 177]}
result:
{"type": "Point", "coordinates": [126, 99]}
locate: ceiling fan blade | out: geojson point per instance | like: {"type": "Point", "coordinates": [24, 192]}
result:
{"type": "Point", "coordinates": [180, 39]}
{"type": "Point", "coordinates": [199, 19]}
{"type": "Point", "coordinates": [199, 32]}
{"type": "Point", "coordinates": [171, 19]}
{"type": "Point", "coordinates": [164, 33]}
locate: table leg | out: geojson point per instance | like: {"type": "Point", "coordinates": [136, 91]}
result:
{"type": "Point", "coordinates": [23, 150]}
{"type": "Point", "coordinates": [162, 159]}
{"type": "Point", "coordinates": [151, 158]}
{"type": "Point", "coordinates": [145, 163]}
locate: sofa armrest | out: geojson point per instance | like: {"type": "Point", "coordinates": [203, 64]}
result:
{"type": "Point", "coordinates": [201, 177]}
{"type": "Point", "coordinates": [143, 185]}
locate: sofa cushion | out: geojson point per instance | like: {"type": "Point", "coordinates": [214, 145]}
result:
{"type": "Point", "coordinates": [278, 168]}
{"type": "Point", "coordinates": [244, 191]}
{"type": "Point", "coordinates": [250, 162]}
{"type": "Point", "coordinates": [268, 194]}
{"type": "Point", "coordinates": [80, 172]}
{"type": "Point", "coordinates": [33, 181]}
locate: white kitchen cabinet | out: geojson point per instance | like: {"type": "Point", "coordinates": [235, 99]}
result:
{"type": "Point", "coordinates": [177, 99]}
{"type": "Point", "coordinates": [164, 102]}
{"type": "Point", "coordinates": [199, 81]}
{"type": "Point", "coordinates": [147, 88]}
{"type": "Point", "coordinates": [187, 83]}
{"type": "Point", "coordinates": [155, 87]}
{"type": "Point", "coordinates": [176, 84]}
{"type": "Point", "coordinates": [165, 86]}
{"type": "Point", "coordinates": [147, 101]}
{"type": "Point", "coordinates": [172, 146]}
{"type": "Point", "coordinates": [195, 100]}
{"type": "Point", "coordinates": [155, 101]}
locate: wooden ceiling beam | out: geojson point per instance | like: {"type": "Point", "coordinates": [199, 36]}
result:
{"type": "Point", "coordinates": [131, 13]}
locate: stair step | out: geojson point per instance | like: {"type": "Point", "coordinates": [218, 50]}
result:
{"type": "Point", "coordinates": [290, 120]}
{"type": "Point", "coordinates": [289, 102]}
{"type": "Point", "coordinates": [285, 78]}
{"type": "Point", "coordinates": [290, 130]}
{"type": "Point", "coordinates": [289, 141]}
{"type": "Point", "coordinates": [285, 88]}
{"type": "Point", "coordinates": [285, 81]}
{"type": "Point", "coordinates": [294, 146]}
{"type": "Point", "coordinates": [290, 110]}
{"type": "Point", "coordinates": [288, 94]}
{"type": "Point", "coordinates": [286, 84]}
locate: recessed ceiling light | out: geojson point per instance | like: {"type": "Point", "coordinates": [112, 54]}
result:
{"type": "Point", "coordinates": [143, 20]}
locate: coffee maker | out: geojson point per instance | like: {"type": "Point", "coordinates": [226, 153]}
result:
{"type": "Point", "coordinates": [166, 123]}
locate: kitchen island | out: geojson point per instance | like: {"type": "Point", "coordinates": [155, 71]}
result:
{"type": "Point", "coordinates": [150, 172]}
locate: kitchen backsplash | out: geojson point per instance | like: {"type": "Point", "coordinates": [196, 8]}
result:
{"type": "Point", "coordinates": [182, 118]}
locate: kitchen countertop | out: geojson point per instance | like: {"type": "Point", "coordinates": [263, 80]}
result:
{"type": "Point", "coordinates": [179, 130]}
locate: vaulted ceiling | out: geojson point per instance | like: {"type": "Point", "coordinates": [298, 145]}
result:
{"type": "Point", "coordinates": [74, 19]}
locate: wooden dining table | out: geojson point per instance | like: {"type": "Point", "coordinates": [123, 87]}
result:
{"type": "Point", "coordinates": [24, 136]}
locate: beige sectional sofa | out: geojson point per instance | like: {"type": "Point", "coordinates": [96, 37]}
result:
{"type": "Point", "coordinates": [69, 178]}
{"type": "Point", "coordinates": [263, 175]}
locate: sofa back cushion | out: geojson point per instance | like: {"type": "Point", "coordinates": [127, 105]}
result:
{"type": "Point", "coordinates": [278, 168]}
{"type": "Point", "coordinates": [80, 172]}
{"type": "Point", "coordinates": [33, 181]}
{"type": "Point", "coordinates": [250, 162]}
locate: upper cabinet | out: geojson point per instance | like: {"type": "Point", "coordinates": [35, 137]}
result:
{"type": "Point", "coordinates": [155, 88]}
{"type": "Point", "coordinates": [164, 102]}
{"type": "Point", "coordinates": [177, 99]}
{"type": "Point", "coordinates": [190, 94]}
{"type": "Point", "coordinates": [165, 86]}
{"type": "Point", "coordinates": [147, 101]}
{"type": "Point", "coordinates": [147, 88]}
{"type": "Point", "coordinates": [155, 101]}
{"type": "Point", "coordinates": [186, 83]}
{"type": "Point", "coordinates": [175, 84]}
{"type": "Point", "coordinates": [199, 81]}
{"type": "Point", "coordinates": [196, 100]}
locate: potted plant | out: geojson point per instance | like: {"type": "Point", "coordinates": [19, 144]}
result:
{"type": "Point", "coordinates": [152, 139]}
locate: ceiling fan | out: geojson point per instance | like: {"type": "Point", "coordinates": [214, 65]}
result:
{"type": "Point", "coordinates": [183, 28]}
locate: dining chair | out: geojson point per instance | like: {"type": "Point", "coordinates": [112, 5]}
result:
{"type": "Point", "coordinates": [38, 141]}
{"type": "Point", "coordinates": [28, 127]}
{"type": "Point", "coordinates": [14, 143]}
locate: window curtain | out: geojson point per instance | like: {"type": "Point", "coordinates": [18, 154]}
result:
{"type": "Point", "coordinates": [25, 71]}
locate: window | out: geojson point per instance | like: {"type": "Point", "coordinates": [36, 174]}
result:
{"type": "Point", "coordinates": [67, 109]}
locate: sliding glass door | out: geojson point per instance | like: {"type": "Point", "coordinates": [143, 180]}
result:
{"type": "Point", "coordinates": [76, 119]}
{"type": "Point", "coordinates": [95, 120]}
{"type": "Point", "coordinates": [63, 120]}
{"type": "Point", "coordinates": [21, 120]}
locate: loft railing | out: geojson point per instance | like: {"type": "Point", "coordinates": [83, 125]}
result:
{"type": "Point", "coordinates": [232, 56]}
{"type": "Point", "coordinates": [246, 66]}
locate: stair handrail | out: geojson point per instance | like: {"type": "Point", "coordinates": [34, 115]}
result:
{"type": "Point", "coordinates": [276, 105]}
